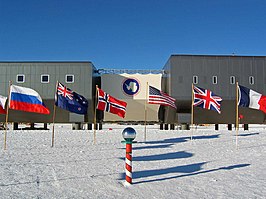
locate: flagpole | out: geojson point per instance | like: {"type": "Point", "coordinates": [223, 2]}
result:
{"type": "Point", "coordinates": [54, 115]}
{"type": "Point", "coordinates": [237, 113]}
{"type": "Point", "coordinates": [145, 113]}
{"type": "Point", "coordinates": [53, 125]}
{"type": "Point", "coordinates": [95, 109]}
{"type": "Point", "coordinates": [7, 112]}
{"type": "Point", "coordinates": [192, 109]}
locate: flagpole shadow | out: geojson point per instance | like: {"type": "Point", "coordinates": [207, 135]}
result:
{"type": "Point", "coordinates": [191, 170]}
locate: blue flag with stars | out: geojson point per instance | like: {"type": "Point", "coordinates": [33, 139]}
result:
{"type": "Point", "coordinates": [69, 100]}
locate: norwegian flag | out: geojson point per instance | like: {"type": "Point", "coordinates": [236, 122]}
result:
{"type": "Point", "coordinates": [109, 104]}
{"type": "Point", "coordinates": [206, 99]}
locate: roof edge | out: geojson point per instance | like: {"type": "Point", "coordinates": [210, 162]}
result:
{"type": "Point", "coordinates": [45, 62]}
{"type": "Point", "coordinates": [213, 55]}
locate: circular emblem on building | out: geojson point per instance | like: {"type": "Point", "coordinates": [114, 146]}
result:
{"type": "Point", "coordinates": [131, 86]}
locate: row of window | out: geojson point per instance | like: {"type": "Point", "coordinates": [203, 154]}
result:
{"type": "Point", "coordinates": [215, 80]}
{"type": "Point", "coordinates": [45, 78]}
{"type": "Point", "coordinates": [70, 79]}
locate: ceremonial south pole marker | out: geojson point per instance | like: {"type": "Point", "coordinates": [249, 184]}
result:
{"type": "Point", "coordinates": [129, 135]}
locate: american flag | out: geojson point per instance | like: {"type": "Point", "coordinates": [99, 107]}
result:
{"type": "Point", "coordinates": [158, 97]}
{"type": "Point", "coordinates": [206, 99]}
{"type": "Point", "coordinates": [110, 104]}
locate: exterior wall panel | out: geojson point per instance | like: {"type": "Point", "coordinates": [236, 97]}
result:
{"type": "Point", "coordinates": [113, 85]}
{"type": "Point", "coordinates": [83, 72]}
{"type": "Point", "coordinates": [205, 67]}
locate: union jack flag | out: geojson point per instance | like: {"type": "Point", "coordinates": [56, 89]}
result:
{"type": "Point", "coordinates": [206, 99]}
{"type": "Point", "coordinates": [64, 91]}
{"type": "Point", "coordinates": [109, 104]}
{"type": "Point", "coordinates": [69, 100]}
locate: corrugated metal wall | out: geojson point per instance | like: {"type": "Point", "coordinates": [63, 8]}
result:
{"type": "Point", "coordinates": [180, 70]}
{"type": "Point", "coordinates": [57, 71]}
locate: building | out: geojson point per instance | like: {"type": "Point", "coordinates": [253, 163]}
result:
{"type": "Point", "coordinates": [131, 86]}
{"type": "Point", "coordinates": [213, 72]}
{"type": "Point", "coordinates": [42, 77]}
{"type": "Point", "coordinates": [218, 74]}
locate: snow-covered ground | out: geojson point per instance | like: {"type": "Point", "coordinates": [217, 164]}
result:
{"type": "Point", "coordinates": [168, 165]}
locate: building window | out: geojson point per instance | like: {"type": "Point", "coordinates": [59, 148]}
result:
{"type": "Point", "coordinates": [45, 78]}
{"type": "Point", "coordinates": [232, 80]}
{"type": "Point", "coordinates": [214, 80]}
{"type": "Point", "coordinates": [20, 78]}
{"type": "Point", "coordinates": [69, 78]}
{"type": "Point", "coordinates": [251, 80]}
{"type": "Point", "coordinates": [195, 79]}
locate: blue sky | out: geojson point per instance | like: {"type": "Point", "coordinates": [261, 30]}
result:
{"type": "Point", "coordinates": [126, 34]}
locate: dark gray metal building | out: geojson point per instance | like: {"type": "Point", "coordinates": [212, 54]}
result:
{"type": "Point", "coordinates": [218, 74]}
{"type": "Point", "coordinates": [79, 76]}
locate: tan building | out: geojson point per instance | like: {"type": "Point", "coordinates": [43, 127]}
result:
{"type": "Point", "coordinates": [132, 88]}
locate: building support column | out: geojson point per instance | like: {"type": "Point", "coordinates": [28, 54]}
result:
{"type": "Point", "coordinates": [172, 126]}
{"type": "Point", "coordinates": [15, 126]}
{"type": "Point", "coordinates": [229, 127]}
{"type": "Point", "coordinates": [89, 126]}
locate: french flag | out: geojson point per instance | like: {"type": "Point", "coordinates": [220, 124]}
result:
{"type": "Point", "coordinates": [251, 99]}
{"type": "Point", "coordinates": [26, 99]}
{"type": "Point", "coordinates": [2, 104]}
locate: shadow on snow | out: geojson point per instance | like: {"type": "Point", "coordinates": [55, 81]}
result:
{"type": "Point", "coordinates": [182, 139]}
{"type": "Point", "coordinates": [189, 170]}
{"type": "Point", "coordinates": [248, 134]}
{"type": "Point", "coordinates": [159, 157]}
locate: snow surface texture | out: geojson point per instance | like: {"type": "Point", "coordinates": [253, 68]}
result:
{"type": "Point", "coordinates": [168, 165]}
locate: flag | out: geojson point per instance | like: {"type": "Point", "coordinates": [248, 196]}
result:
{"type": "Point", "coordinates": [241, 116]}
{"type": "Point", "coordinates": [26, 99]}
{"type": "Point", "coordinates": [206, 99]}
{"type": "Point", "coordinates": [251, 99]}
{"type": "Point", "coordinates": [158, 97]}
{"type": "Point", "coordinates": [69, 100]}
{"type": "Point", "coordinates": [109, 104]}
{"type": "Point", "coordinates": [2, 104]}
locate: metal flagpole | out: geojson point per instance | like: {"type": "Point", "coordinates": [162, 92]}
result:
{"type": "Point", "coordinates": [145, 113]}
{"type": "Point", "coordinates": [237, 113]}
{"type": "Point", "coordinates": [95, 109]}
{"type": "Point", "coordinates": [192, 109]}
{"type": "Point", "coordinates": [54, 114]}
{"type": "Point", "coordinates": [7, 111]}
{"type": "Point", "coordinates": [53, 125]}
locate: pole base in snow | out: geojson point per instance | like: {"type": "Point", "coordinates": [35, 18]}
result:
{"type": "Point", "coordinates": [127, 184]}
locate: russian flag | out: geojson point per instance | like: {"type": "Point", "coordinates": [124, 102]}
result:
{"type": "Point", "coordinates": [26, 99]}
{"type": "Point", "coordinates": [2, 104]}
{"type": "Point", "coordinates": [251, 99]}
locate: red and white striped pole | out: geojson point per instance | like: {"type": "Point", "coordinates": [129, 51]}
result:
{"type": "Point", "coordinates": [129, 135]}
{"type": "Point", "coordinates": [128, 164]}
